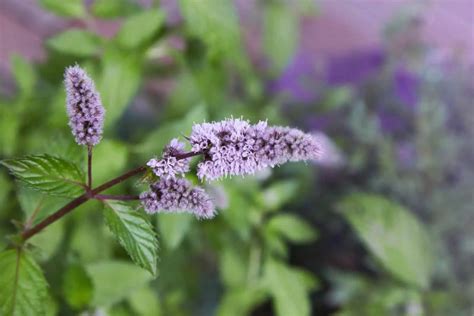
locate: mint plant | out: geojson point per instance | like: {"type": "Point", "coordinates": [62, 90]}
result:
{"type": "Point", "coordinates": [228, 148]}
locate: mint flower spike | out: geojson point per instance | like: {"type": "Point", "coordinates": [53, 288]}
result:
{"type": "Point", "coordinates": [169, 166]}
{"type": "Point", "coordinates": [177, 195]}
{"type": "Point", "coordinates": [236, 147]}
{"type": "Point", "coordinates": [84, 107]}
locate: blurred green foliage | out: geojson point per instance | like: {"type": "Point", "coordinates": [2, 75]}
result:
{"type": "Point", "coordinates": [248, 259]}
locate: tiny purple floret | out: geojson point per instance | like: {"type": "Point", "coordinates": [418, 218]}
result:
{"type": "Point", "coordinates": [177, 195]}
{"type": "Point", "coordinates": [168, 167]}
{"type": "Point", "coordinates": [84, 107]}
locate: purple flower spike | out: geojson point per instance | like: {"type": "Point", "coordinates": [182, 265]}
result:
{"type": "Point", "coordinates": [177, 195]}
{"type": "Point", "coordinates": [168, 167]}
{"type": "Point", "coordinates": [84, 108]}
{"type": "Point", "coordinates": [235, 147]}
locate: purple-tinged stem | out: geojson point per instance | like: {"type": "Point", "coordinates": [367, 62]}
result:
{"type": "Point", "coordinates": [89, 167]}
{"type": "Point", "coordinates": [116, 197]}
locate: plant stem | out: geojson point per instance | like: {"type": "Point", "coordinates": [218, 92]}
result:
{"type": "Point", "coordinates": [116, 197]}
{"type": "Point", "coordinates": [89, 167]}
{"type": "Point", "coordinates": [28, 233]}
{"type": "Point", "coordinates": [91, 194]}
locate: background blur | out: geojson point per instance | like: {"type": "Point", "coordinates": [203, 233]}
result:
{"type": "Point", "coordinates": [382, 224]}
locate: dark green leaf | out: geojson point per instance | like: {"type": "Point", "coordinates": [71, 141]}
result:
{"type": "Point", "coordinates": [23, 288]}
{"type": "Point", "coordinates": [140, 27]}
{"type": "Point", "coordinates": [115, 280]}
{"type": "Point", "coordinates": [47, 174]}
{"type": "Point", "coordinates": [134, 232]}
{"type": "Point", "coordinates": [75, 42]}
{"type": "Point", "coordinates": [289, 288]}
{"type": "Point", "coordinates": [77, 286]}
{"type": "Point", "coordinates": [292, 228]}
{"type": "Point", "coordinates": [393, 235]}
{"type": "Point", "coordinates": [120, 79]}
{"type": "Point", "coordinates": [72, 8]}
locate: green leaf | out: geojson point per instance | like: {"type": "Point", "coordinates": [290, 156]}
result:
{"type": "Point", "coordinates": [289, 288]}
{"type": "Point", "coordinates": [24, 74]}
{"type": "Point", "coordinates": [393, 235]}
{"type": "Point", "coordinates": [36, 205]}
{"type": "Point", "coordinates": [75, 42]}
{"type": "Point", "coordinates": [77, 286]}
{"type": "Point", "coordinates": [240, 301]}
{"type": "Point", "coordinates": [173, 228]}
{"type": "Point", "coordinates": [215, 22]}
{"type": "Point", "coordinates": [132, 229]}
{"type": "Point", "coordinates": [140, 28]}
{"type": "Point", "coordinates": [113, 8]}
{"type": "Point", "coordinates": [292, 228]}
{"type": "Point", "coordinates": [115, 280]}
{"type": "Point", "coordinates": [145, 302]}
{"type": "Point", "coordinates": [278, 194]}
{"type": "Point", "coordinates": [9, 129]}
{"type": "Point", "coordinates": [23, 288]}
{"type": "Point", "coordinates": [280, 34]}
{"type": "Point", "coordinates": [71, 8]}
{"type": "Point", "coordinates": [120, 79]}
{"type": "Point", "coordinates": [47, 174]}
{"type": "Point", "coordinates": [103, 167]}
{"type": "Point", "coordinates": [158, 139]}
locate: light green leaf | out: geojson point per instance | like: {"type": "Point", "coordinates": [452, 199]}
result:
{"type": "Point", "coordinates": [113, 8]}
{"type": "Point", "coordinates": [77, 286]}
{"type": "Point", "coordinates": [103, 167]}
{"type": "Point", "coordinates": [240, 301]}
{"type": "Point", "coordinates": [393, 235]}
{"type": "Point", "coordinates": [119, 81]}
{"type": "Point", "coordinates": [278, 194]}
{"type": "Point", "coordinates": [71, 8]}
{"type": "Point", "coordinates": [215, 22]}
{"type": "Point", "coordinates": [47, 174]}
{"type": "Point", "coordinates": [233, 266]}
{"type": "Point", "coordinates": [75, 42]}
{"type": "Point", "coordinates": [173, 228]}
{"type": "Point", "coordinates": [9, 129]}
{"type": "Point", "coordinates": [156, 140]}
{"type": "Point", "coordinates": [23, 288]}
{"type": "Point", "coordinates": [140, 28]}
{"type": "Point", "coordinates": [24, 73]}
{"type": "Point", "coordinates": [36, 205]}
{"type": "Point", "coordinates": [280, 34]}
{"type": "Point", "coordinates": [132, 229]}
{"type": "Point", "coordinates": [115, 280]}
{"type": "Point", "coordinates": [47, 241]}
{"type": "Point", "coordinates": [292, 228]}
{"type": "Point", "coordinates": [289, 289]}
{"type": "Point", "coordinates": [145, 302]}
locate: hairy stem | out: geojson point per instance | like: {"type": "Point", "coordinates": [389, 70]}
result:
{"type": "Point", "coordinates": [89, 167]}
{"type": "Point", "coordinates": [116, 197]}
{"type": "Point", "coordinates": [28, 233]}
{"type": "Point", "coordinates": [93, 194]}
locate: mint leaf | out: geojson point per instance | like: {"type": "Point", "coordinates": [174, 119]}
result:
{"type": "Point", "coordinates": [77, 286]}
{"type": "Point", "coordinates": [23, 288]}
{"type": "Point", "coordinates": [280, 35]}
{"type": "Point", "coordinates": [215, 22]}
{"type": "Point", "coordinates": [47, 174]}
{"type": "Point", "coordinates": [75, 42]}
{"type": "Point", "coordinates": [292, 228]}
{"type": "Point", "coordinates": [289, 288]}
{"type": "Point", "coordinates": [278, 194]}
{"type": "Point", "coordinates": [140, 27]}
{"type": "Point", "coordinates": [393, 235]}
{"type": "Point", "coordinates": [173, 228]}
{"type": "Point", "coordinates": [71, 8]}
{"type": "Point", "coordinates": [115, 280]}
{"type": "Point", "coordinates": [134, 232]}
{"type": "Point", "coordinates": [119, 81]}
